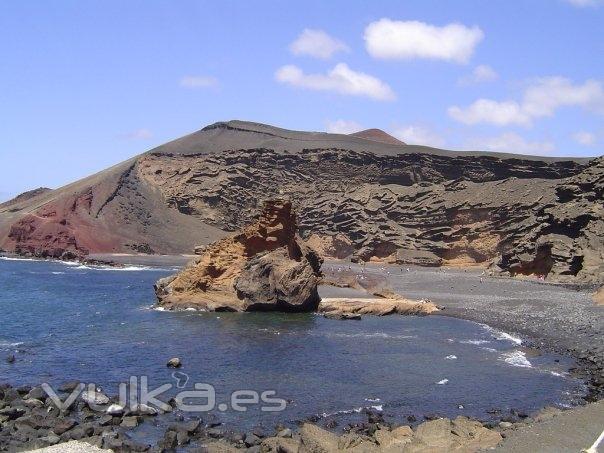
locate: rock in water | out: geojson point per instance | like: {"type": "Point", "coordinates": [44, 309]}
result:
{"type": "Point", "coordinates": [265, 267]}
{"type": "Point", "coordinates": [174, 363]}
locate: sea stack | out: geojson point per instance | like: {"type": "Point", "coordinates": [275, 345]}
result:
{"type": "Point", "coordinates": [264, 267]}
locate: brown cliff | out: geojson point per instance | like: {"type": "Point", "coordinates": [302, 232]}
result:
{"type": "Point", "coordinates": [357, 198]}
{"type": "Point", "coordinates": [265, 267]}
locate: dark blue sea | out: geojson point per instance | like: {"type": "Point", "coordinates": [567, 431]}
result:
{"type": "Point", "coordinates": [72, 322]}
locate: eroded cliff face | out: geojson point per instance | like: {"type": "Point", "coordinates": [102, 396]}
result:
{"type": "Point", "coordinates": [519, 217]}
{"type": "Point", "coordinates": [265, 267]}
{"type": "Point", "coordinates": [358, 198]}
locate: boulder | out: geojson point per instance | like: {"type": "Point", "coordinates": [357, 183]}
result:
{"type": "Point", "coordinates": [264, 267]}
{"type": "Point", "coordinates": [470, 435]}
{"type": "Point", "coordinates": [94, 397]}
{"type": "Point", "coordinates": [280, 445]}
{"type": "Point", "coordinates": [174, 362]}
{"type": "Point", "coordinates": [318, 440]}
{"type": "Point", "coordinates": [434, 434]}
{"type": "Point", "coordinates": [115, 410]}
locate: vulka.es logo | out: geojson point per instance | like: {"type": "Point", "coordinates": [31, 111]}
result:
{"type": "Point", "coordinates": [136, 396]}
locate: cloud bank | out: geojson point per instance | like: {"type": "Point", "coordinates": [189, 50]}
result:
{"type": "Point", "coordinates": [541, 99]}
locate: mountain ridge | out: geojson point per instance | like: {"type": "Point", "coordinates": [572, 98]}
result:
{"type": "Point", "coordinates": [399, 203]}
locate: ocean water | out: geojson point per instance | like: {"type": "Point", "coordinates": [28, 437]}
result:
{"type": "Point", "coordinates": [70, 322]}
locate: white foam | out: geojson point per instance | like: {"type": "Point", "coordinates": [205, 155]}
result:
{"type": "Point", "coordinates": [11, 258]}
{"type": "Point", "coordinates": [451, 357]}
{"type": "Point", "coordinates": [476, 342]}
{"type": "Point", "coordinates": [6, 344]}
{"type": "Point", "coordinates": [557, 374]}
{"type": "Point", "coordinates": [78, 266]}
{"type": "Point", "coordinates": [516, 358]}
{"type": "Point", "coordinates": [503, 336]}
{"type": "Point", "coordinates": [442, 382]}
{"type": "Point", "coordinates": [373, 400]}
{"type": "Point", "coordinates": [355, 410]}
{"type": "Point", "coordinates": [370, 335]}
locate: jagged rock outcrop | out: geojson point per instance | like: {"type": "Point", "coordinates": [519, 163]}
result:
{"type": "Point", "coordinates": [567, 238]}
{"type": "Point", "coordinates": [380, 306]}
{"type": "Point", "coordinates": [265, 267]}
{"type": "Point", "coordinates": [357, 198]}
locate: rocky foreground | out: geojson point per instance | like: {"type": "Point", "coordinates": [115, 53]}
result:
{"type": "Point", "coordinates": [29, 420]}
{"type": "Point", "coordinates": [368, 199]}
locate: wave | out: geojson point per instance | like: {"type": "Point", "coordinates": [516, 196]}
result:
{"type": "Point", "coordinates": [380, 335]}
{"type": "Point", "coordinates": [442, 382]}
{"type": "Point", "coordinates": [57, 273]}
{"type": "Point", "coordinates": [476, 342]}
{"type": "Point", "coordinates": [355, 410]}
{"type": "Point", "coordinates": [503, 336]}
{"type": "Point", "coordinates": [516, 358]}
{"type": "Point", "coordinates": [451, 357]}
{"type": "Point", "coordinates": [79, 266]}
{"type": "Point", "coordinates": [122, 269]}
{"type": "Point", "coordinates": [6, 344]}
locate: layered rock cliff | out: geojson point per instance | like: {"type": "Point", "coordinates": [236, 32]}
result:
{"type": "Point", "coordinates": [265, 267]}
{"type": "Point", "coordinates": [359, 198]}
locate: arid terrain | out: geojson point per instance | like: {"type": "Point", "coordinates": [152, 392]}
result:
{"type": "Point", "coordinates": [365, 196]}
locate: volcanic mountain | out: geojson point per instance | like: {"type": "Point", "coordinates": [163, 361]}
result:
{"type": "Point", "coordinates": [378, 135]}
{"type": "Point", "coordinates": [362, 197]}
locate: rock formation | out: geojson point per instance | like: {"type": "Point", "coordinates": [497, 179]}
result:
{"type": "Point", "coordinates": [375, 306]}
{"type": "Point", "coordinates": [357, 198]}
{"type": "Point", "coordinates": [265, 267]}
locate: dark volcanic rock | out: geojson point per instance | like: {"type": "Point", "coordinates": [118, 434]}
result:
{"type": "Point", "coordinates": [266, 267]}
{"type": "Point", "coordinates": [398, 203]}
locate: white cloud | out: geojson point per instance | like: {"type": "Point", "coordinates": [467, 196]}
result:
{"type": "Point", "coordinates": [194, 82]}
{"type": "Point", "coordinates": [492, 112]}
{"type": "Point", "coordinates": [138, 134]}
{"type": "Point", "coordinates": [510, 142]}
{"type": "Point", "coordinates": [585, 3]}
{"type": "Point", "coordinates": [481, 73]}
{"type": "Point", "coordinates": [341, 79]}
{"type": "Point", "coordinates": [391, 39]}
{"type": "Point", "coordinates": [585, 138]}
{"type": "Point", "coordinates": [342, 126]}
{"type": "Point", "coordinates": [541, 99]}
{"type": "Point", "coordinates": [318, 44]}
{"type": "Point", "coordinates": [418, 135]}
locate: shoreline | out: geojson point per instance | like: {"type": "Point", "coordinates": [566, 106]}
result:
{"type": "Point", "coordinates": [530, 322]}
{"type": "Point", "coordinates": [590, 362]}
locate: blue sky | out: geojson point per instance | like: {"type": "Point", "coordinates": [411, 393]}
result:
{"type": "Point", "coordinates": [86, 84]}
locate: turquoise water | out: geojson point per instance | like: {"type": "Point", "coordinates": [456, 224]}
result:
{"type": "Point", "coordinates": [69, 322]}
